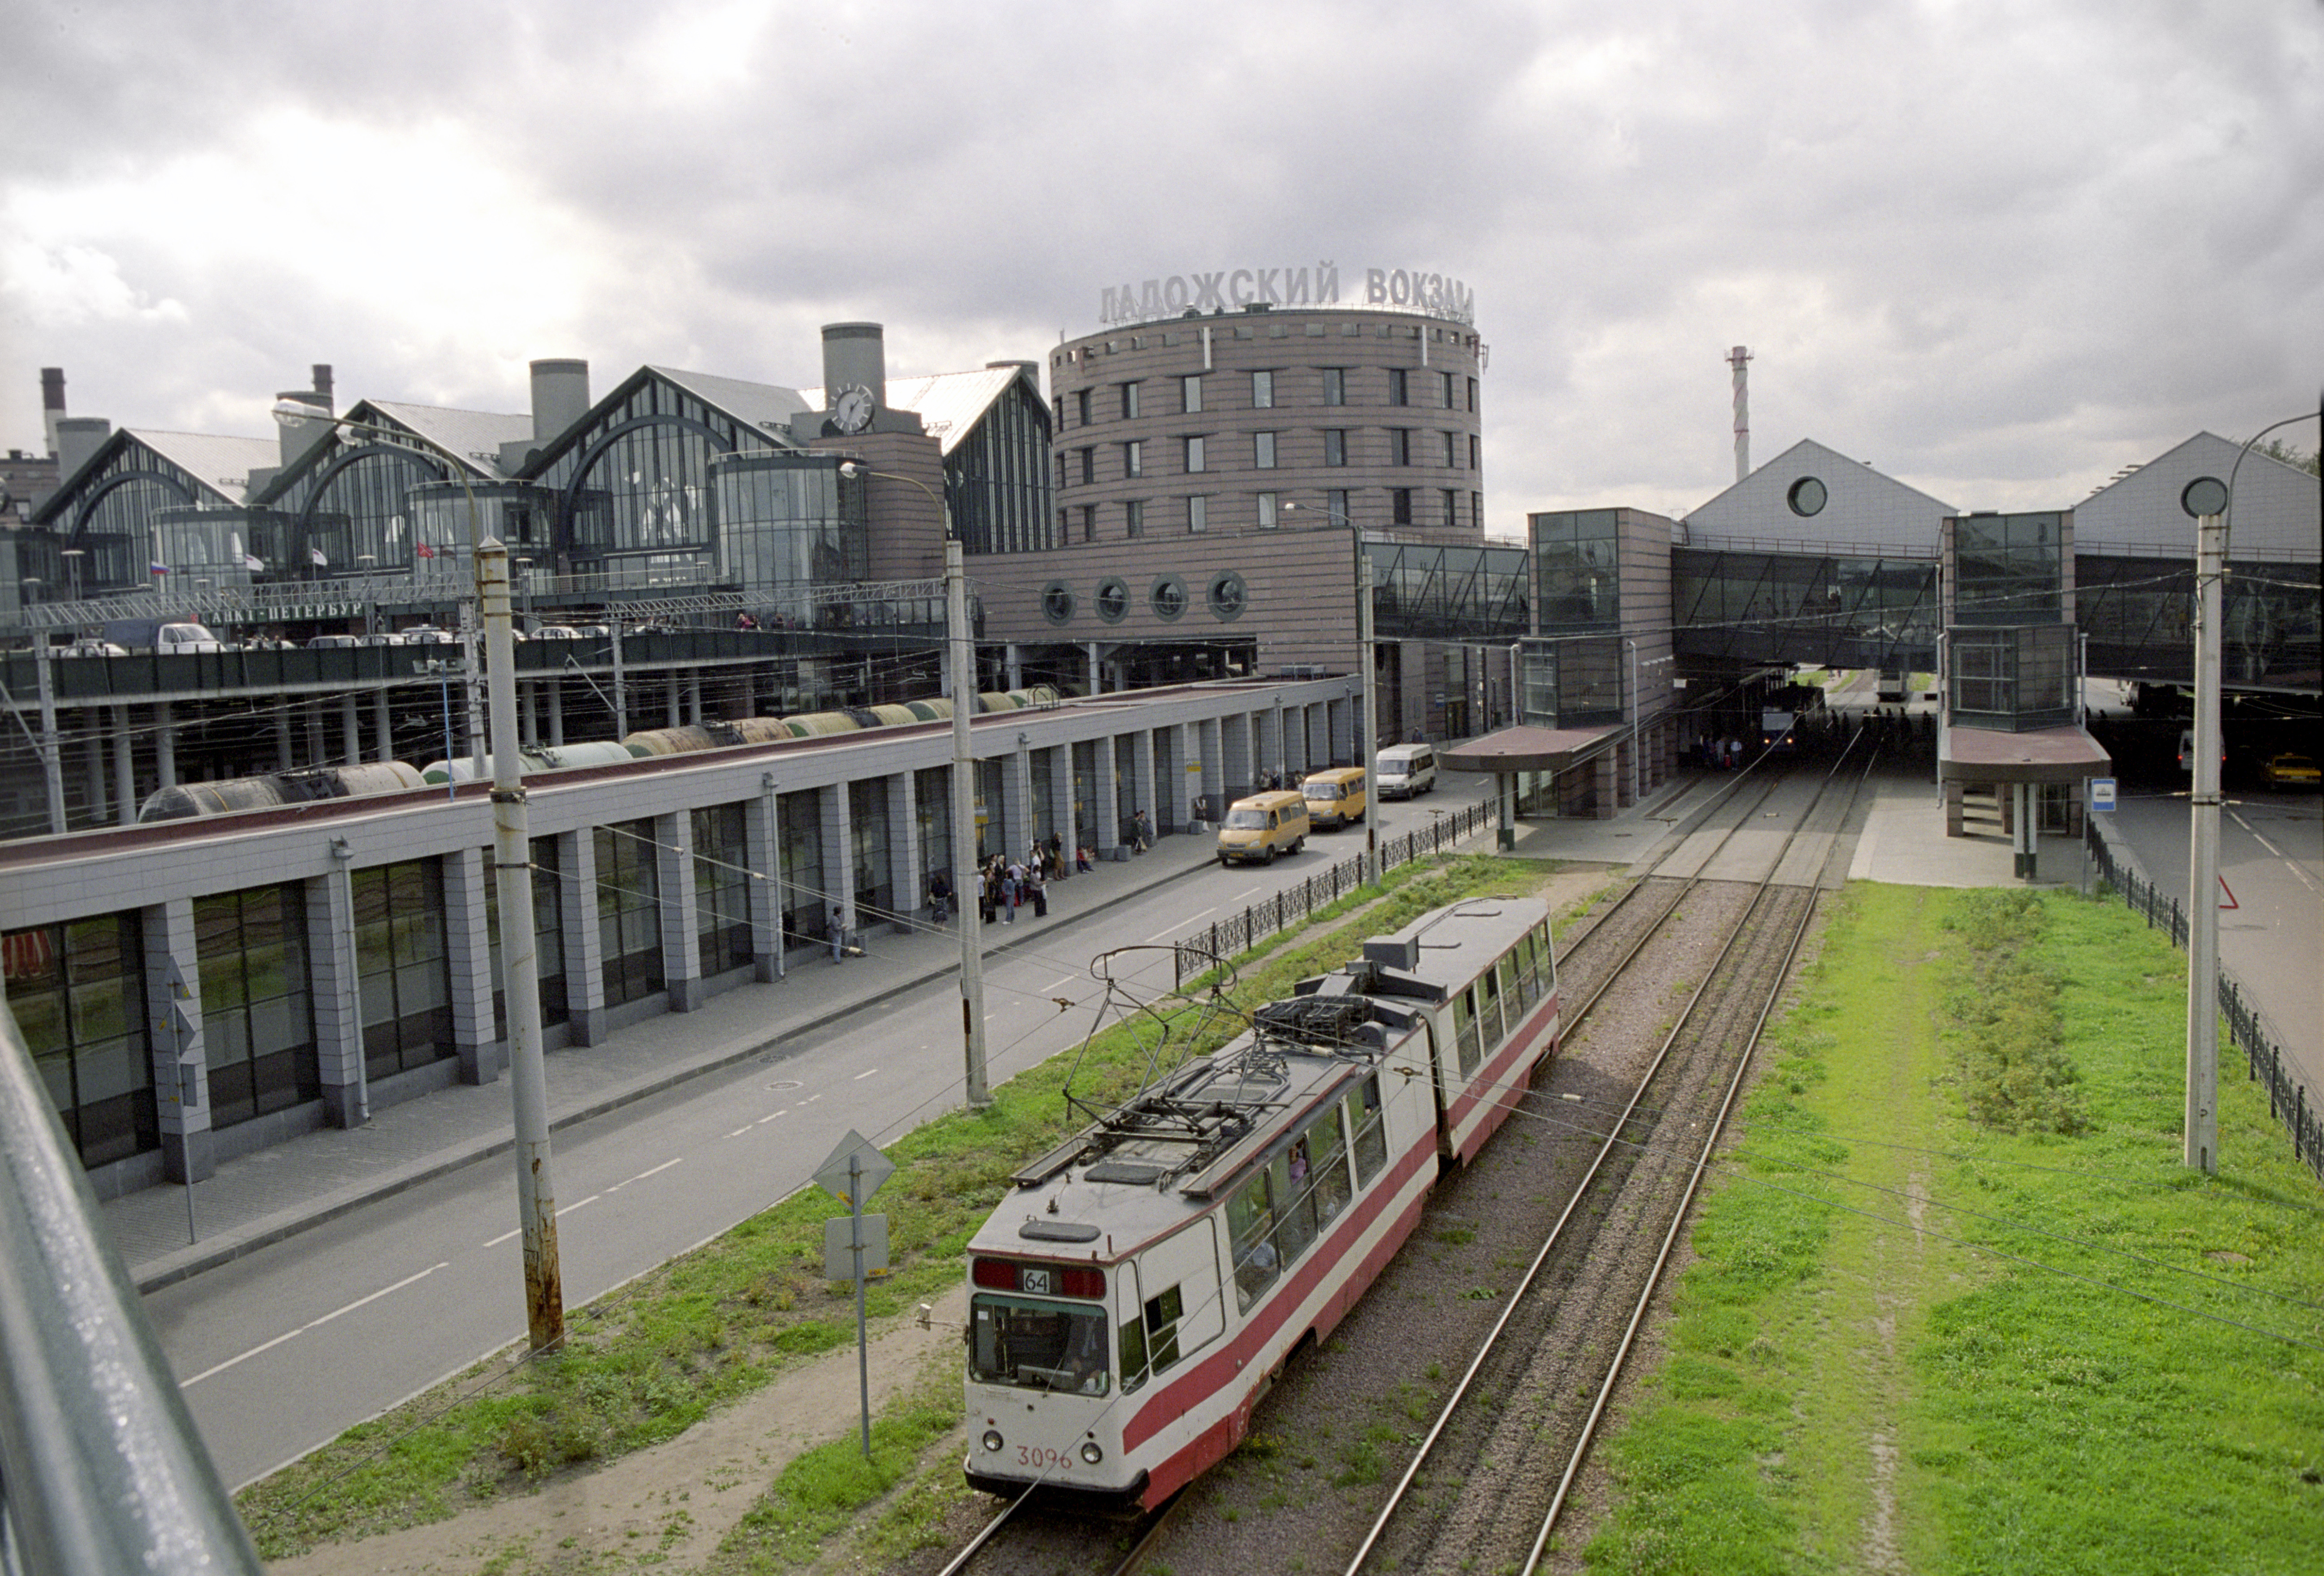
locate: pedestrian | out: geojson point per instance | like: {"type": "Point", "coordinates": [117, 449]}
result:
{"type": "Point", "coordinates": [984, 894]}
{"type": "Point", "coordinates": [939, 897]}
{"type": "Point", "coordinates": [1140, 839]}
{"type": "Point", "coordinates": [1009, 895]}
{"type": "Point", "coordinates": [1084, 859]}
{"type": "Point", "coordinates": [1056, 856]}
{"type": "Point", "coordinates": [838, 934]}
{"type": "Point", "coordinates": [1038, 885]}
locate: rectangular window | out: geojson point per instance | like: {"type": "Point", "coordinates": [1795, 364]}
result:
{"type": "Point", "coordinates": [1198, 514]}
{"type": "Point", "coordinates": [1400, 388]}
{"type": "Point", "coordinates": [1399, 446]}
{"type": "Point", "coordinates": [1335, 504]}
{"type": "Point", "coordinates": [1133, 458]}
{"type": "Point", "coordinates": [1262, 391]}
{"type": "Point", "coordinates": [1089, 464]}
{"type": "Point", "coordinates": [1082, 405]}
{"type": "Point", "coordinates": [1363, 1109]}
{"type": "Point", "coordinates": [1194, 455]}
{"type": "Point", "coordinates": [1452, 453]}
{"type": "Point", "coordinates": [1262, 450]}
{"type": "Point", "coordinates": [1089, 523]}
{"type": "Point", "coordinates": [1133, 518]}
{"type": "Point", "coordinates": [1451, 507]}
{"type": "Point", "coordinates": [1399, 505]}
{"type": "Point", "coordinates": [1477, 510]}
{"type": "Point", "coordinates": [1061, 469]}
{"type": "Point", "coordinates": [1336, 445]}
{"type": "Point", "coordinates": [1336, 386]}
{"type": "Point", "coordinates": [1476, 461]}
{"type": "Point", "coordinates": [1129, 401]}
{"type": "Point", "coordinates": [1190, 393]}
{"type": "Point", "coordinates": [1472, 394]}
{"type": "Point", "coordinates": [1266, 511]}
{"type": "Point", "coordinates": [1450, 393]}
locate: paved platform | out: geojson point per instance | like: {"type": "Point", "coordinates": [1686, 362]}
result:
{"type": "Point", "coordinates": [262, 1198]}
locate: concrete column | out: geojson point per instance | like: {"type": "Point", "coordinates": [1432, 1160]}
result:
{"type": "Point", "coordinates": [908, 866]}
{"type": "Point", "coordinates": [1235, 769]}
{"type": "Point", "coordinates": [1610, 785]}
{"type": "Point", "coordinates": [1056, 770]}
{"type": "Point", "coordinates": [670, 698]}
{"type": "Point", "coordinates": [557, 712]}
{"type": "Point", "coordinates": [318, 752]}
{"type": "Point", "coordinates": [1141, 778]}
{"type": "Point", "coordinates": [681, 942]}
{"type": "Point", "coordinates": [1340, 724]}
{"type": "Point", "coordinates": [165, 746]}
{"type": "Point", "coordinates": [351, 728]}
{"type": "Point", "coordinates": [124, 768]}
{"type": "Point", "coordinates": [468, 958]}
{"type": "Point", "coordinates": [1016, 802]}
{"type": "Point", "coordinates": [93, 758]}
{"type": "Point", "coordinates": [1211, 767]}
{"type": "Point", "coordinates": [1012, 660]}
{"type": "Point", "coordinates": [173, 1021]}
{"type": "Point", "coordinates": [338, 1002]}
{"type": "Point", "coordinates": [837, 827]}
{"type": "Point", "coordinates": [762, 837]}
{"type": "Point", "coordinates": [584, 948]}
{"type": "Point", "coordinates": [283, 760]}
{"type": "Point", "coordinates": [383, 729]}
{"type": "Point", "coordinates": [527, 698]}
{"type": "Point", "coordinates": [1267, 744]}
{"type": "Point", "coordinates": [1106, 836]}
{"type": "Point", "coordinates": [1097, 669]}
{"type": "Point", "coordinates": [693, 699]}
{"type": "Point", "coordinates": [1173, 782]}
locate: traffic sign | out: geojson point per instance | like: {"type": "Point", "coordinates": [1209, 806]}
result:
{"type": "Point", "coordinates": [840, 1243]}
{"type": "Point", "coordinates": [832, 1175]}
{"type": "Point", "coordinates": [2102, 793]}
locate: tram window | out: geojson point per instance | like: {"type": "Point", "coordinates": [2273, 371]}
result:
{"type": "Point", "coordinates": [1042, 1346]}
{"type": "Point", "coordinates": [1513, 996]}
{"type": "Point", "coordinates": [1162, 1316]}
{"type": "Point", "coordinates": [1295, 1201]}
{"type": "Point", "coordinates": [1544, 949]}
{"type": "Point", "coordinates": [1328, 1144]}
{"type": "Point", "coordinates": [1134, 1371]}
{"type": "Point", "coordinates": [1489, 1008]}
{"type": "Point", "coordinates": [1250, 1221]}
{"type": "Point", "coordinates": [1371, 1138]}
{"type": "Point", "coordinates": [1464, 1031]}
{"type": "Point", "coordinates": [1528, 969]}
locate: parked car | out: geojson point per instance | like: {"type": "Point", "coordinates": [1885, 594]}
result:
{"type": "Point", "coordinates": [332, 642]}
{"type": "Point", "coordinates": [92, 648]}
{"type": "Point", "coordinates": [556, 632]}
{"type": "Point", "coordinates": [429, 635]}
{"type": "Point", "coordinates": [382, 638]}
{"type": "Point", "coordinates": [2291, 771]}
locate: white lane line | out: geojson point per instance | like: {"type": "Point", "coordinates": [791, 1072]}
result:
{"type": "Point", "coordinates": [2290, 863]}
{"type": "Point", "coordinates": [503, 1237]}
{"type": "Point", "coordinates": [745, 1128]}
{"type": "Point", "coordinates": [584, 1204]}
{"type": "Point", "coordinates": [763, 1121]}
{"type": "Point", "coordinates": [310, 1324]}
{"type": "Point", "coordinates": [1246, 892]}
{"type": "Point", "coordinates": [863, 1074]}
{"type": "Point", "coordinates": [359, 1302]}
{"type": "Point", "coordinates": [811, 1098]}
{"type": "Point", "coordinates": [641, 1175]}
{"type": "Point", "coordinates": [1179, 925]}
{"type": "Point", "coordinates": [1060, 980]}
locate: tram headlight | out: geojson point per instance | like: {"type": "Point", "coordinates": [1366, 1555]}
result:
{"type": "Point", "coordinates": [993, 1438]}
{"type": "Point", "coordinates": [1091, 1453]}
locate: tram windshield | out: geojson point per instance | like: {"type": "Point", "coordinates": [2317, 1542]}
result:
{"type": "Point", "coordinates": [1039, 1345]}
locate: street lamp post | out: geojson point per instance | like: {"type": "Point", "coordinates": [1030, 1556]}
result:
{"type": "Point", "coordinates": [544, 1293]}
{"type": "Point", "coordinates": [963, 793]}
{"type": "Point", "coordinates": [72, 557]}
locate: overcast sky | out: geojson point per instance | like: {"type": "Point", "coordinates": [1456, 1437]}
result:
{"type": "Point", "coordinates": [1998, 249]}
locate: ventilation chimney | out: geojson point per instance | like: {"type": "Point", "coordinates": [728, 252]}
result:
{"type": "Point", "coordinates": [301, 434]}
{"type": "Point", "coordinates": [77, 438]}
{"type": "Point", "coordinates": [323, 382]}
{"type": "Point", "coordinates": [1739, 358]}
{"type": "Point", "coordinates": [52, 402]}
{"type": "Point", "coordinates": [854, 353]}
{"type": "Point", "coordinates": [560, 397]}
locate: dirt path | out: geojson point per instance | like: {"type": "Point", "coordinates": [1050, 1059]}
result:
{"type": "Point", "coordinates": [674, 1502]}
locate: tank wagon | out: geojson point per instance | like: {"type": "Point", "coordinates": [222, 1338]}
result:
{"type": "Point", "coordinates": [1142, 1284]}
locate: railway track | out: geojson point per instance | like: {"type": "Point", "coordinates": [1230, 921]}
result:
{"type": "Point", "coordinates": [1539, 1386]}
{"type": "Point", "coordinates": [1519, 1426]}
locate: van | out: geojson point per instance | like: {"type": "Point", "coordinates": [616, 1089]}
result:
{"type": "Point", "coordinates": [1335, 797]}
{"type": "Point", "coordinates": [1406, 770]}
{"type": "Point", "coordinates": [1263, 826]}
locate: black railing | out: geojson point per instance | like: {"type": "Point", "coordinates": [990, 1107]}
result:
{"type": "Point", "coordinates": [1225, 938]}
{"type": "Point", "coordinates": [2248, 1028]}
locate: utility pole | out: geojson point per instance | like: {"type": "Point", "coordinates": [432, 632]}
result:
{"type": "Point", "coordinates": [964, 826]}
{"type": "Point", "coordinates": [2202, 1117]}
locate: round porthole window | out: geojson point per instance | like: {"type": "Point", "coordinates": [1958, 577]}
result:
{"type": "Point", "coordinates": [2204, 496]}
{"type": "Point", "coordinates": [1112, 599]}
{"type": "Point", "coordinates": [1807, 497]}
{"type": "Point", "coordinates": [1057, 603]}
{"type": "Point", "coordinates": [1167, 597]}
{"type": "Point", "coordinates": [1228, 595]}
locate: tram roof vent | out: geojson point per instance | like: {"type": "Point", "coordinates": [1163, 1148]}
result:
{"type": "Point", "coordinates": [1394, 951]}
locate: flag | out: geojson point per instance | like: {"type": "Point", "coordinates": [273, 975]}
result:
{"type": "Point", "coordinates": [426, 551]}
{"type": "Point", "coordinates": [254, 563]}
{"type": "Point", "coordinates": [158, 568]}
{"type": "Point", "coordinates": [315, 557]}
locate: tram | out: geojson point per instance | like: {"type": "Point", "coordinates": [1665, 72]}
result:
{"type": "Point", "coordinates": [1143, 1284]}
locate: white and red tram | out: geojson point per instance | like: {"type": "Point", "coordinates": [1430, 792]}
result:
{"type": "Point", "coordinates": [1135, 1295]}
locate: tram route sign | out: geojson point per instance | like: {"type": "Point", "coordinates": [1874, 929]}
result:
{"type": "Point", "coordinates": [2102, 793]}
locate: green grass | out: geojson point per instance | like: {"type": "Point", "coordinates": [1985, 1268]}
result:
{"type": "Point", "coordinates": [642, 1364]}
{"type": "Point", "coordinates": [1841, 1392]}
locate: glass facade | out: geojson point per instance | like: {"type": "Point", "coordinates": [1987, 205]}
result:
{"type": "Point", "coordinates": [2139, 614]}
{"type": "Point", "coordinates": [111, 531]}
{"type": "Point", "coordinates": [721, 890]}
{"type": "Point", "coordinates": [806, 915]}
{"type": "Point", "coordinates": [932, 806]}
{"type": "Point", "coordinates": [548, 938]}
{"type": "Point", "coordinates": [78, 991]}
{"type": "Point", "coordinates": [212, 545]}
{"type": "Point", "coordinates": [258, 1017]}
{"type": "Point", "coordinates": [403, 975]}
{"type": "Point", "coordinates": [2005, 569]}
{"type": "Point", "coordinates": [787, 522]}
{"type": "Point", "coordinates": [1433, 593]}
{"type": "Point", "coordinates": [358, 516]}
{"type": "Point", "coordinates": [1576, 571]}
{"type": "Point", "coordinates": [1572, 682]}
{"type": "Point", "coordinates": [629, 911]}
{"type": "Point", "coordinates": [2013, 680]}
{"type": "Point", "coordinates": [996, 480]}
{"type": "Point", "coordinates": [1782, 607]}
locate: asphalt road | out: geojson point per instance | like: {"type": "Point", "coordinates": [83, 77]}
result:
{"type": "Point", "coordinates": [285, 1348]}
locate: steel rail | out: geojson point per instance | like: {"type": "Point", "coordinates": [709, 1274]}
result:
{"type": "Point", "coordinates": [1613, 1141]}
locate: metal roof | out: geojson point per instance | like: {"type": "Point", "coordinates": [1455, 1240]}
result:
{"type": "Point", "coordinates": [221, 465]}
{"type": "Point", "coordinates": [768, 407]}
{"type": "Point", "coordinates": [476, 436]}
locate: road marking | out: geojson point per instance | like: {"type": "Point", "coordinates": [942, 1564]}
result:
{"type": "Point", "coordinates": [568, 1209]}
{"type": "Point", "coordinates": [1061, 980]}
{"type": "Point", "coordinates": [745, 1128]}
{"type": "Point", "coordinates": [763, 1121]}
{"type": "Point", "coordinates": [2291, 863]}
{"type": "Point", "coordinates": [867, 1073]}
{"type": "Point", "coordinates": [310, 1324]}
{"type": "Point", "coordinates": [641, 1175]}
{"type": "Point", "coordinates": [1246, 892]}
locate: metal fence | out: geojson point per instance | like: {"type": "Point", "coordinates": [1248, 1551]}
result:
{"type": "Point", "coordinates": [1202, 951]}
{"type": "Point", "coordinates": [2288, 1099]}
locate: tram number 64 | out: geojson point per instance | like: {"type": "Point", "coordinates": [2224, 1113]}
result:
{"type": "Point", "coordinates": [1035, 1455]}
